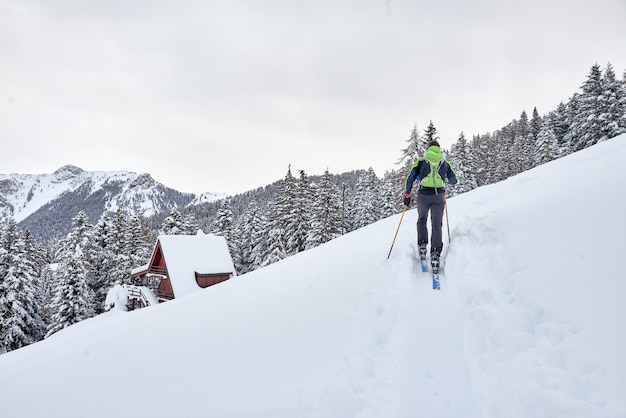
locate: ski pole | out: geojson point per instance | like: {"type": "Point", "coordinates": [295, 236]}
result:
{"type": "Point", "coordinates": [445, 204]}
{"type": "Point", "coordinates": [395, 236]}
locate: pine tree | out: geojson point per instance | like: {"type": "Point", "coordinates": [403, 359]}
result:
{"type": "Point", "coordinates": [571, 140]}
{"type": "Point", "coordinates": [81, 234]}
{"type": "Point", "coordinates": [482, 148]}
{"type": "Point", "coordinates": [21, 322]}
{"type": "Point", "coordinates": [174, 224]}
{"type": "Point", "coordinates": [547, 147]}
{"type": "Point", "coordinates": [287, 215]}
{"type": "Point", "coordinates": [612, 103]}
{"type": "Point", "coordinates": [223, 223]}
{"type": "Point", "coordinates": [274, 231]}
{"type": "Point", "coordinates": [138, 239]}
{"type": "Point", "coordinates": [276, 250]}
{"type": "Point", "coordinates": [73, 299]}
{"type": "Point", "coordinates": [347, 209]}
{"type": "Point", "coordinates": [463, 164]}
{"type": "Point", "coordinates": [248, 230]}
{"type": "Point", "coordinates": [416, 147]}
{"type": "Point", "coordinates": [190, 225]}
{"type": "Point", "coordinates": [389, 202]}
{"type": "Point", "coordinates": [326, 216]}
{"type": "Point", "coordinates": [503, 155]}
{"type": "Point", "coordinates": [430, 134]}
{"type": "Point", "coordinates": [120, 262]}
{"type": "Point", "coordinates": [104, 261]}
{"type": "Point", "coordinates": [366, 204]}
{"type": "Point", "coordinates": [259, 243]}
{"type": "Point", "coordinates": [523, 143]}
{"type": "Point", "coordinates": [535, 125]}
{"type": "Point", "coordinates": [587, 125]}
{"type": "Point", "coordinates": [300, 216]}
{"type": "Point", "coordinates": [559, 123]}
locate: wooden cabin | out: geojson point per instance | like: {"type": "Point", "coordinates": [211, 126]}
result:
{"type": "Point", "coordinates": [183, 264]}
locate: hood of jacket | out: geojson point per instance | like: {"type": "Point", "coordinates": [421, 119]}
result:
{"type": "Point", "coordinates": [433, 154]}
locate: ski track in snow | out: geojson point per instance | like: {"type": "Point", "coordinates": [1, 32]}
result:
{"type": "Point", "coordinates": [419, 367]}
{"type": "Point", "coordinates": [505, 335]}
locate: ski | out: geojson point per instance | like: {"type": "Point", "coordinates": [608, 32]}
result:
{"type": "Point", "coordinates": [436, 285]}
{"type": "Point", "coordinates": [435, 265]}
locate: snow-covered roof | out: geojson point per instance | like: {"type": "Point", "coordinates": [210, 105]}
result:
{"type": "Point", "coordinates": [186, 255]}
{"type": "Point", "coordinates": [140, 269]}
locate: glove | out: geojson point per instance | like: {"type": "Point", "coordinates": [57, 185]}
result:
{"type": "Point", "coordinates": [407, 199]}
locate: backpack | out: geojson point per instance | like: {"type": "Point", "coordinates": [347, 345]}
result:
{"type": "Point", "coordinates": [434, 177]}
{"type": "Point", "coordinates": [434, 159]}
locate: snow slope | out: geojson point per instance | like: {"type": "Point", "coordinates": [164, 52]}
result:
{"type": "Point", "coordinates": [530, 322]}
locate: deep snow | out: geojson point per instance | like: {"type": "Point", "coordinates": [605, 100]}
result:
{"type": "Point", "coordinates": [530, 322]}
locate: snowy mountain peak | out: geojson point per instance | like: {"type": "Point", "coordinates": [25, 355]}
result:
{"type": "Point", "coordinates": [46, 203]}
{"type": "Point", "coordinates": [142, 180]}
{"type": "Point", "coordinates": [67, 172]}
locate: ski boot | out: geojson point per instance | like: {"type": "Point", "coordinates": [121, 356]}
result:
{"type": "Point", "coordinates": [422, 252]}
{"type": "Point", "coordinates": [434, 261]}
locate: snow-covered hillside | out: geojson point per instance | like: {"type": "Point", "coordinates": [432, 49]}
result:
{"type": "Point", "coordinates": [530, 322]}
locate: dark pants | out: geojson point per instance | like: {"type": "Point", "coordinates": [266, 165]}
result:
{"type": "Point", "coordinates": [434, 204]}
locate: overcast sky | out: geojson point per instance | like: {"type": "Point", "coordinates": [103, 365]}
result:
{"type": "Point", "coordinates": [222, 95]}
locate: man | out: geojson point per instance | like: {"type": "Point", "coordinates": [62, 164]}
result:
{"type": "Point", "coordinates": [432, 172]}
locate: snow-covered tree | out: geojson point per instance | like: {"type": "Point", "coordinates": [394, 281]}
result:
{"type": "Point", "coordinates": [524, 143]}
{"type": "Point", "coordinates": [73, 298]}
{"type": "Point", "coordinates": [120, 262]}
{"type": "Point", "coordinates": [80, 234]}
{"type": "Point", "coordinates": [613, 105]}
{"type": "Point", "coordinates": [274, 231]}
{"type": "Point", "coordinates": [485, 158]}
{"type": "Point", "coordinates": [299, 227]}
{"type": "Point", "coordinates": [275, 248]}
{"type": "Point", "coordinates": [223, 224]}
{"type": "Point", "coordinates": [463, 163]}
{"type": "Point", "coordinates": [138, 241]}
{"type": "Point", "coordinates": [248, 230]}
{"type": "Point", "coordinates": [388, 194]}
{"type": "Point", "coordinates": [535, 124]}
{"type": "Point", "coordinates": [286, 215]}
{"type": "Point", "coordinates": [415, 148]}
{"type": "Point", "coordinates": [587, 123]}
{"type": "Point", "coordinates": [547, 147]}
{"type": "Point", "coordinates": [259, 243]}
{"type": "Point", "coordinates": [326, 215]}
{"type": "Point", "coordinates": [21, 322]}
{"type": "Point", "coordinates": [174, 224]}
{"type": "Point", "coordinates": [366, 205]}
{"type": "Point", "coordinates": [559, 123]}
{"type": "Point", "coordinates": [430, 134]}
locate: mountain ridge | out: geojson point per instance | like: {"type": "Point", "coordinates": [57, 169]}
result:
{"type": "Point", "coordinates": [46, 203]}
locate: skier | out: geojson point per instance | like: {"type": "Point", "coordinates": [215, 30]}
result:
{"type": "Point", "coordinates": [432, 171]}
